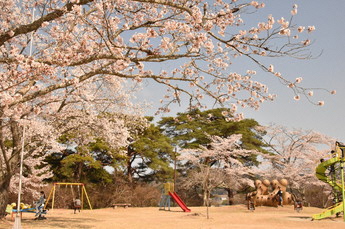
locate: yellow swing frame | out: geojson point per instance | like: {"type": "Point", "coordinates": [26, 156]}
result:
{"type": "Point", "coordinates": [83, 192]}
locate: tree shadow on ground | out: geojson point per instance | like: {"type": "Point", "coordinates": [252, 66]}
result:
{"type": "Point", "coordinates": [304, 218]}
{"type": "Point", "coordinates": [59, 222]}
{"type": "Point", "coordinates": [171, 210]}
{"type": "Point", "coordinates": [300, 217]}
{"type": "Point", "coordinates": [334, 219]}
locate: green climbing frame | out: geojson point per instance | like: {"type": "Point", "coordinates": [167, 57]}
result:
{"type": "Point", "coordinates": [323, 175]}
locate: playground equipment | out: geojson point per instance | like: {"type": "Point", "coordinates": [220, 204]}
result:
{"type": "Point", "coordinates": [262, 196]}
{"type": "Point", "coordinates": [25, 208]}
{"type": "Point", "coordinates": [82, 193]}
{"type": "Point", "coordinates": [331, 171]}
{"type": "Point", "coordinates": [166, 198]}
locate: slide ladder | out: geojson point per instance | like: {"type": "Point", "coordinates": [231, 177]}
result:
{"type": "Point", "coordinates": [323, 173]}
{"type": "Point", "coordinates": [179, 201]}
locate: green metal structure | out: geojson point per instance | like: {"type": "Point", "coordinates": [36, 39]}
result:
{"type": "Point", "coordinates": [332, 172]}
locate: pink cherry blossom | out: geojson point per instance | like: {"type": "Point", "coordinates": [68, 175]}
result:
{"type": "Point", "coordinates": [300, 29]}
{"type": "Point", "coordinates": [311, 29]}
{"type": "Point", "coordinates": [298, 79]}
{"type": "Point", "coordinates": [254, 3]}
{"type": "Point", "coordinates": [294, 12]}
{"type": "Point", "coordinates": [306, 42]}
{"type": "Point", "coordinates": [321, 103]}
{"type": "Point", "coordinates": [271, 20]}
{"type": "Point", "coordinates": [278, 74]}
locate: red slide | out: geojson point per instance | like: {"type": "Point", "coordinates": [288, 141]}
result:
{"type": "Point", "coordinates": [180, 202]}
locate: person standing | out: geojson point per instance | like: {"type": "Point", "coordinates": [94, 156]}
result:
{"type": "Point", "coordinates": [280, 196]}
{"type": "Point", "coordinates": [76, 205]}
{"type": "Point", "coordinates": [40, 203]}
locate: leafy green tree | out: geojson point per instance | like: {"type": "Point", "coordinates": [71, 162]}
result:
{"type": "Point", "coordinates": [147, 157]}
{"type": "Point", "coordinates": [82, 164]}
{"type": "Point", "coordinates": [150, 155]}
{"type": "Point", "coordinates": [92, 144]}
{"type": "Point", "coordinates": [191, 129]}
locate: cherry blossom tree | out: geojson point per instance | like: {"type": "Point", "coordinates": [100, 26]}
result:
{"type": "Point", "coordinates": [75, 115]}
{"type": "Point", "coordinates": [296, 153]}
{"type": "Point", "coordinates": [220, 164]}
{"type": "Point", "coordinates": [84, 51]}
{"type": "Point", "coordinates": [36, 170]}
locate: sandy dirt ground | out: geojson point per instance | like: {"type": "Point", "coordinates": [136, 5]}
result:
{"type": "Point", "coordinates": [141, 218]}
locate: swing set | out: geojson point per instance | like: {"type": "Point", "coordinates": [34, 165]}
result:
{"type": "Point", "coordinates": [81, 192]}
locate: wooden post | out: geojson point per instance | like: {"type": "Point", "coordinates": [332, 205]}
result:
{"type": "Point", "coordinates": [175, 155]}
{"type": "Point", "coordinates": [82, 197]}
{"type": "Point", "coordinates": [49, 196]}
{"type": "Point", "coordinates": [53, 197]}
{"type": "Point", "coordinates": [87, 197]}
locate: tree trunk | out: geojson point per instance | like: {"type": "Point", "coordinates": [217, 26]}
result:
{"type": "Point", "coordinates": [4, 193]}
{"type": "Point", "coordinates": [130, 172]}
{"type": "Point", "coordinates": [208, 204]}
{"type": "Point", "coordinates": [131, 157]}
{"type": "Point", "coordinates": [10, 164]}
{"type": "Point", "coordinates": [79, 172]}
{"type": "Point", "coordinates": [205, 198]}
{"type": "Point", "coordinates": [230, 195]}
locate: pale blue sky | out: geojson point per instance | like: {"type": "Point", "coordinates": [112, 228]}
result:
{"type": "Point", "coordinates": [326, 71]}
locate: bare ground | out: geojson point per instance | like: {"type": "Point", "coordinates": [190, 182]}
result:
{"type": "Point", "coordinates": [220, 217]}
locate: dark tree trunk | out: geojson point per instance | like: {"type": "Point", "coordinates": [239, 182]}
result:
{"type": "Point", "coordinates": [230, 195]}
{"type": "Point", "coordinates": [131, 154]}
{"type": "Point", "coordinates": [4, 193]}
{"type": "Point", "coordinates": [79, 172]}
{"type": "Point", "coordinates": [129, 172]}
{"type": "Point", "coordinates": [10, 164]}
